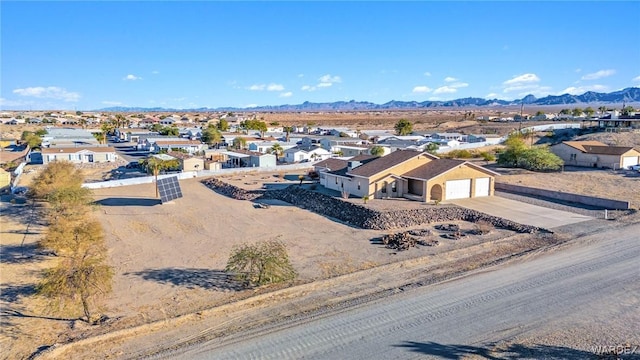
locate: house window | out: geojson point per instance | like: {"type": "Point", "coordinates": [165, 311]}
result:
{"type": "Point", "coordinates": [358, 185]}
{"type": "Point", "coordinates": [572, 157]}
{"type": "Point", "coordinates": [394, 187]}
{"type": "Point", "coordinates": [384, 187]}
{"type": "Point", "coordinates": [336, 180]}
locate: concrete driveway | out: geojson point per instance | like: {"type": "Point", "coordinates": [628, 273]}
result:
{"type": "Point", "coordinates": [520, 212]}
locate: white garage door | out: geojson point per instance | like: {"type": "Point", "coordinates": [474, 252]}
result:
{"type": "Point", "coordinates": [458, 189]}
{"type": "Point", "coordinates": [628, 161]}
{"type": "Point", "coordinates": [482, 187]}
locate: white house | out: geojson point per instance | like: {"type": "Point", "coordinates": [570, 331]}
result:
{"type": "Point", "coordinates": [298, 154]}
{"type": "Point", "coordinates": [265, 146]}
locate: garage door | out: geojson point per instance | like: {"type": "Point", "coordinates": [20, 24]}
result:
{"type": "Point", "coordinates": [628, 161]}
{"type": "Point", "coordinates": [482, 187]}
{"type": "Point", "coordinates": [458, 189]}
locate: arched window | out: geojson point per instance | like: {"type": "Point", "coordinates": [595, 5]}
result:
{"type": "Point", "coordinates": [394, 187]}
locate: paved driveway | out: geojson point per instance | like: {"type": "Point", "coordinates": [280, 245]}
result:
{"type": "Point", "coordinates": [520, 212]}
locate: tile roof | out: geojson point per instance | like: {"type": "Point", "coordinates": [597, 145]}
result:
{"type": "Point", "coordinates": [385, 162]}
{"type": "Point", "coordinates": [339, 166]}
{"type": "Point", "coordinates": [433, 168]}
{"type": "Point", "coordinates": [598, 148]}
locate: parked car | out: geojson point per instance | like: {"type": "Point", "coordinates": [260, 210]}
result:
{"type": "Point", "coordinates": [133, 165]}
{"type": "Point", "coordinates": [635, 167]}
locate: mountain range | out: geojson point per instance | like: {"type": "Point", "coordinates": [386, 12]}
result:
{"type": "Point", "coordinates": [628, 95]}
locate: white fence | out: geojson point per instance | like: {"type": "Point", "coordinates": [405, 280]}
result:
{"type": "Point", "coordinates": [194, 174]}
{"type": "Point", "coordinates": [17, 172]}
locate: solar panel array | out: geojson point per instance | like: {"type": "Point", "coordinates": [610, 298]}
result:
{"type": "Point", "coordinates": [169, 189]}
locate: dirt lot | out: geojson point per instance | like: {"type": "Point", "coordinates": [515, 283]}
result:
{"type": "Point", "coordinates": [611, 184]}
{"type": "Point", "coordinates": [169, 258]}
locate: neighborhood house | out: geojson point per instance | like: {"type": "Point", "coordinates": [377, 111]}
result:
{"type": "Point", "coordinates": [596, 154]}
{"type": "Point", "coordinates": [406, 173]}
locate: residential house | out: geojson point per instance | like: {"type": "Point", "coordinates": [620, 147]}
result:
{"type": "Point", "coordinates": [596, 154]}
{"type": "Point", "coordinates": [447, 136]}
{"type": "Point", "coordinates": [355, 150]}
{"type": "Point", "coordinates": [5, 179]}
{"type": "Point", "coordinates": [300, 153]}
{"type": "Point", "coordinates": [246, 158]}
{"type": "Point", "coordinates": [410, 174]}
{"type": "Point", "coordinates": [265, 146]}
{"type": "Point", "coordinates": [331, 144]}
{"type": "Point", "coordinates": [168, 121]}
{"type": "Point", "coordinates": [188, 162]}
{"type": "Point", "coordinates": [168, 143]}
{"type": "Point", "coordinates": [80, 154]}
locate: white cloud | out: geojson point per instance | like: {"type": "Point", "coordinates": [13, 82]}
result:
{"type": "Point", "coordinates": [155, 72]}
{"type": "Point", "coordinates": [527, 83]}
{"type": "Point", "coordinates": [256, 87]}
{"type": "Point", "coordinates": [286, 94]}
{"type": "Point", "coordinates": [579, 90]}
{"type": "Point", "coordinates": [458, 85]}
{"type": "Point", "coordinates": [445, 90]}
{"type": "Point", "coordinates": [251, 106]}
{"type": "Point", "coordinates": [112, 103]}
{"type": "Point", "coordinates": [262, 87]}
{"type": "Point", "coordinates": [132, 77]}
{"type": "Point", "coordinates": [330, 79]}
{"type": "Point", "coordinates": [427, 73]}
{"type": "Point", "coordinates": [491, 96]}
{"type": "Point", "coordinates": [324, 84]}
{"type": "Point", "coordinates": [522, 79]}
{"type": "Point", "coordinates": [275, 87]}
{"type": "Point", "coordinates": [637, 78]}
{"type": "Point", "coordinates": [50, 92]}
{"type": "Point", "coordinates": [450, 79]}
{"type": "Point", "coordinates": [599, 74]}
{"type": "Point", "coordinates": [421, 89]}
{"type": "Point", "coordinates": [308, 88]}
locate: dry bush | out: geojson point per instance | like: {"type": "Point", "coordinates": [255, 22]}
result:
{"type": "Point", "coordinates": [482, 228]}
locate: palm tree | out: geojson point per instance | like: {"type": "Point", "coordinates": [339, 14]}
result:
{"type": "Point", "coordinates": [287, 130]}
{"type": "Point", "coordinates": [106, 128]}
{"type": "Point", "coordinates": [156, 165]}
{"type": "Point", "coordinates": [239, 143]}
{"type": "Point", "coordinates": [377, 151]}
{"type": "Point", "coordinates": [277, 150]}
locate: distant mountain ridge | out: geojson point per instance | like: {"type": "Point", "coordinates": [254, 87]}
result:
{"type": "Point", "coordinates": [628, 95]}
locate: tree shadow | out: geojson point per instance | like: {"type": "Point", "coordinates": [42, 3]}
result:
{"type": "Point", "coordinates": [122, 201]}
{"type": "Point", "coordinates": [192, 278]}
{"type": "Point", "coordinates": [14, 254]}
{"type": "Point", "coordinates": [23, 211]}
{"type": "Point", "coordinates": [490, 351]}
{"type": "Point", "coordinates": [11, 293]}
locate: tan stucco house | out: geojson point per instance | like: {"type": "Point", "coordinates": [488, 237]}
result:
{"type": "Point", "coordinates": [188, 162]}
{"type": "Point", "coordinates": [79, 155]}
{"type": "Point", "coordinates": [596, 154]}
{"type": "Point", "coordinates": [407, 174]}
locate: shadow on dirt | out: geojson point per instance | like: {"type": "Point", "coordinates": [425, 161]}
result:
{"type": "Point", "coordinates": [192, 278]}
{"type": "Point", "coordinates": [513, 351]}
{"type": "Point", "coordinates": [122, 201]}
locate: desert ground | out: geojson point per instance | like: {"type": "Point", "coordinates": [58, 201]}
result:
{"type": "Point", "coordinates": [169, 259]}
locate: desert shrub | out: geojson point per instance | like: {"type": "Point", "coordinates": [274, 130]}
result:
{"type": "Point", "coordinates": [482, 228]}
{"type": "Point", "coordinates": [487, 156]}
{"type": "Point", "coordinates": [261, 263]}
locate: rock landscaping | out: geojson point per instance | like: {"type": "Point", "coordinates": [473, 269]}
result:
{"type": "Point", "coordinates": [362, 217]}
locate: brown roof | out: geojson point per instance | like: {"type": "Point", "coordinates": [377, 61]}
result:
{"type": "Point", "coordinates": [433, 168]}
{"type": "Point", "coordinates": [180, 155]}
{"type": "Point", "coordinates": [598, 148]}
{"type": "Point", "coordinates": [340, 167]}
{"type": "Point", "coordinates": [385, 162]}
{"type": "Point", "coordinates": [441, 166]}
{"type": "Point", "coordinates": [73, 150]}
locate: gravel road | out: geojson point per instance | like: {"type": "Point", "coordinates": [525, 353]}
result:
{"type": "Point", "coordinates": [598, 277]}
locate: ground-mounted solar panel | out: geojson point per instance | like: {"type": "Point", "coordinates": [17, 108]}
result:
{"type": "Point", "coordinates": [169, 189]}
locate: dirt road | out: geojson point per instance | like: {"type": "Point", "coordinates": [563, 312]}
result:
{"type": "Point", "coordinates": [594, 279]}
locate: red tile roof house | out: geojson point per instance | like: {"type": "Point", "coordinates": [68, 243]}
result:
{"type": "Point", "coordinates": [596, 154]}
{"type": "Point", "coordinates": [407, 174]}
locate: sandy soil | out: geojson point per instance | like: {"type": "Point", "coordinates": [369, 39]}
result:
{"type": "Point", "coordinates": [169, 258]}
{"type": "Point", "coordinates": [611, 184]}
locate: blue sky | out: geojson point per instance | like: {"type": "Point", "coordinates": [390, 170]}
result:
{"type": "Point", "coordinates": [91, 55]}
